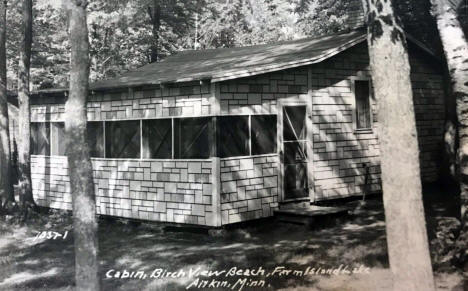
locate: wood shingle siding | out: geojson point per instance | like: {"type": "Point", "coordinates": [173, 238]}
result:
{"type": "Point", "coordinates": [223, 189]}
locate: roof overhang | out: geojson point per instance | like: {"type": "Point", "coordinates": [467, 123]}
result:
{"type": "Point", "coordinates": [288, 65]}
{"type": "Point", "coordinates": [355, 38]}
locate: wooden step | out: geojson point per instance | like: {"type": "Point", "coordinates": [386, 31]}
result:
{"type": "Point", "coordinates": [307, 215]}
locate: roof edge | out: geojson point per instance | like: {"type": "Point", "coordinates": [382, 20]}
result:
{"type": "Point", "coordinates": [251, 71]}
{"type": "Point", "coordinates": [289, 65]}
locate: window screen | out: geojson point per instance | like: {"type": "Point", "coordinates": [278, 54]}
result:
{"type": "Point", "coordinates": [263, 133]}
{"type": "Point", "coordinates": [40, 133]}
{"type": "Point", "coordinates": [363, 113]}
{"type": "Point", "coordinates": [233, 136]}
{"type": "Point", "coordinates": [157, 139]}
{"type": "Point", "coordinates": [57, 138]}
{"type": "Point", "coordinates": [192, 138]}
{"type": "Point", "coordinates": [123, 139]}
{"type": "Point", "coordinates": [96, 139]}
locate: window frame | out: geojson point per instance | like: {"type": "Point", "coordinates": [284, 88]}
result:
{"type": "Point", "coordinates": [176, 137]}
{"type": "Point", "coordinates": [248, 146]}
{"type": "Point", "coordinates": [354, 111]}
{"type": "Point", "coordinates": [107, 151]}
{"type": "Point", "coordinates": [213, 121]}
{"type": "Point", "coordinates": [103, 133]}
{"type": "Point", "coordinates": [275, 139]}
{"type": "Point", "coordinates": [48, 134]}
{"type": "Point", "coordinates": [145, 150]}
{"type": "Point", "coordinates": [54, 143]}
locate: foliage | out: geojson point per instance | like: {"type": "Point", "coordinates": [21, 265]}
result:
{"type": "Point", "coordinates": [121, 34]}
{"type": "Point", "coordinates": [443, 244]}
{"type": "Point", "coordinates": [323, 16]}
{"type": "Point", "coordinates": [414, 12]}
{"type": "Point", "coordinates": [50, 50]}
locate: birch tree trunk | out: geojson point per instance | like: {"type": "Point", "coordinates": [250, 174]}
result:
{"type": "Point", "coordinates": [456, 52]}
{"type": "Point", "coordinates": [79, 161]}
{"type": "Point", "coordinates": [24, 146]}
{"type": "Point", "coordinates": [6, 188]}
{"type": "Point", "coordinates": [408, 247]}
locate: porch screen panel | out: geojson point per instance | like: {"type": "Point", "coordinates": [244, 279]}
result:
{"type": "Point", "coordinates": [192, 138]}
{"type": "Point", "coordinates": [363, 113]}
{"type": "Point", "coordinates": [157, 139]}
{"type": "Point", "coordinates": [123, 139]}
{"type": "Point", "coordinates": [263, 133]}
{"type": "Point", "coordinates": [96, 139]}
{"type": "Point", "coordinates": [40, 138]}
{"type": "Point", "coordinates": [233, 136]}
{"type": "Point", "coordinates": [57, 138]}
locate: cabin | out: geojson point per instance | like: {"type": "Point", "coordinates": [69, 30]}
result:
{"type": "Point", "coordinates": [216, 137]}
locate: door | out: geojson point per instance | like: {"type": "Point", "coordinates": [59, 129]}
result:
{"type": "Point", "coordinates": [294, 152]}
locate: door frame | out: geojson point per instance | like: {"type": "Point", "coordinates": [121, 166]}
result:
{"type": "Point", "coordinates": [310, 155]}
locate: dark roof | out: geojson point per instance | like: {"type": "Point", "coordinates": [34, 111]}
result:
{"type": "Point", "coordinates": [231, 63]}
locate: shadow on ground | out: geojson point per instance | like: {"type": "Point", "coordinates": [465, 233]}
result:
{"type": "Point", "coordinates": [354, 241]}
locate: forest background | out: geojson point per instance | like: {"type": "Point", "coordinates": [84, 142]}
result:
{"type": "Point", "coordinates": [126, 34]}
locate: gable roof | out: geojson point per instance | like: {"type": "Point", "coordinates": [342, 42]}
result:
{"type": "Point", "coordinates": [232, 63]}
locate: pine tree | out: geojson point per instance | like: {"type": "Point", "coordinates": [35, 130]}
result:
{"type": "Point", "coordinates": [6, 189]}
{"type": "Point", "coordinates": [79, 161]}
{"type": "Point", "coordinates": [24, 117]}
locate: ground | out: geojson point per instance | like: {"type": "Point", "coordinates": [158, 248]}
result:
{"type": "Point", "coordinates": [355, 243]}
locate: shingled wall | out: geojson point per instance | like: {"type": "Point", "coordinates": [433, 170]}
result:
{"type": "Point", "coordinates": [260, 94]}
{"type": "Point", "coordinates": [170, 191]}
{"type": "Point", "coordinates": [187, 100]}
{"type": "Point", "coordinates": [249, 186]}
{"type": "Point", "coordinates": [340, 152]}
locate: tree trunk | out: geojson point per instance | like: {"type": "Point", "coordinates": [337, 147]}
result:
{"type": "Point", "coordinates": [6, 187]}
{"type": "Point", "coordinates": [79, 161]}
{"type": "Point", "coordinates": [456, 52]}
{"type": "Point", "coordinates": [155, 16]}
{"type": "Point", "coordinates": [24, 148]}
{"type": "Point", "coordinates": [408, 247]}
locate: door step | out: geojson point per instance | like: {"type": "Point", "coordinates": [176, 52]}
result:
{"type": "Point", "coordinates": [307, 215]}
{"type": "Point", "coordinates": [295, 204]}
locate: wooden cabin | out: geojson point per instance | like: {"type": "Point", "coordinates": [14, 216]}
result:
{"type": "Point", "coordinates": [215, 137]}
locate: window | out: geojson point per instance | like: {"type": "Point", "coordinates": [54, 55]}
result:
{"type": "Point", "coordinates": [123, 139]}
{"type": "Point", "coordinates": [233, 136]}
{"type": "Point", "coordinates": [40, 133]}
{"type": "Point", "coordinates": [96, 139]}
{"type": "Point", "coordinates": [363, 111]}
{"type": "Point", "coordinates": [263, 133]}
{"type": "Point", "coordinates": [57, 138]}
{"type": "Point", "coordinates": [157, 139]}
{"type": "Point", "coordinates": [192, 138]}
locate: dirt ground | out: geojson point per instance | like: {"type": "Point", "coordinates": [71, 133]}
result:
{"type": "Point", "coordinates": [267, 255]}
